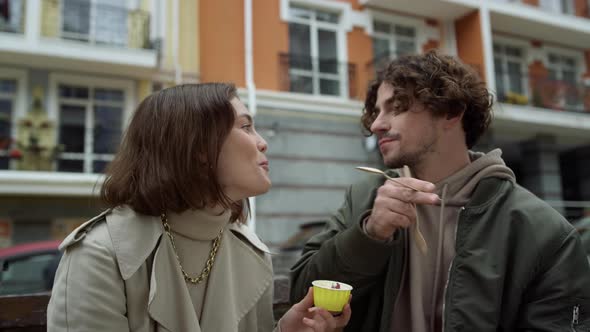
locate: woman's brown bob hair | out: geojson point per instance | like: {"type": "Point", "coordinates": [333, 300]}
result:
{"type": "Point", "coordinates": [168, 157]}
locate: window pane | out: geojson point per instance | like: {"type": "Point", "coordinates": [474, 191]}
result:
{"type": "Point", "coordinates": [76, 166]}
{"type": "Point", "coordinates": [5, 119]}
{"type": "Point", "coordinates": [513, 51]}
{"type": "Point", "coordinates": [76, 19]}
{"type": "Point", "coordinates": [327, 17]}
{"type": "Point", "coordinates": [405, 47]}
{"type": "Point", "coordinates": [299, 40]}
{"type": "Point", "coordinates": [72, 121]}
{"type": "Point", "coordinates": [107, 129]}
{"type": "Point", "coordinates": [109, 95]}
{"type": "Point", "coordinates": [111, 22]}
{"type": "Point", "coordinates": [68, 91]}
{"type": "Point", "coordinates": [380, 48]}
{"type": "Point", "coordinates": [327, 49]}
{"type": "Point", "coordinates": [329, 87]}
{"type": "Point", "coordinates": [7, 86]}
{"type": "Point", "coordinates": [4, 162]}
{"type": "Point", "coordinates": [553, 58]}
{"type": "Point", "coordinates": [405, 31]}
{"type": "Point", "coordinates": [381, 27]}
{"type": "Point", "coordinates": [99, 166]}
{"type": "Point", "coordinates": [552, 74]}
{"type": "Point", "coordinates": [515, 77]}
{"type": "Point", "coordinates": [303, 84]}
{"type": "Point", "coordinates": [299, 12]}
{"type": "Point", "coordinates": [25, 275]}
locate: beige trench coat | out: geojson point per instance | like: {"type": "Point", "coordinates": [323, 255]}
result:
{"type": "Point", "coordinates": [119, 273]}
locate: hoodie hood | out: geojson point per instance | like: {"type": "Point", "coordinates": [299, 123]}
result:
{"type": "Point", "coordinates": [419, 306]}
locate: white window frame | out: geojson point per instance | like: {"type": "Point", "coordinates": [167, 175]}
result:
{"type": "Point", "coordinates": [578, 56]}
{"type": "Point", "coordinates": [20, 99]}
{"type": "Point", "coordinates": [523, 60]}
{"type": "Point", "coordinates": [557, 6]}
{"type": "Point", "coordinates": [424, 32]}
{"type": "Point", "coordinates": [392, 37]}
{"type": "Point", "coordinates": [343, 10]}
{"type": "Point", "coordinates": [57, 79]}
{"type": "Point", "coordinates": [130, 4]}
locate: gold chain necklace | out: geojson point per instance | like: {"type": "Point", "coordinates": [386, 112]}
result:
{"type": "Point", "coordinates": [205, 273]}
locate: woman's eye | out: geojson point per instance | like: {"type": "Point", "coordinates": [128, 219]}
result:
{"type": "Point", "coordinates": [247, 127]}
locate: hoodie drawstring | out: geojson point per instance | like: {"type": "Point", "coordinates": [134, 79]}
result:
{"type": "Point", "coordinates": [439, 255]}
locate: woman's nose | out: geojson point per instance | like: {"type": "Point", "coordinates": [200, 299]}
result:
{"type": "Point", "coordinates": [261, 144]}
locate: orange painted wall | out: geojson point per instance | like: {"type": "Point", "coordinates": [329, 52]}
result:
{"type": "Point", "coordinates": [431, 44]}
{"type": "Point", "coordinates": [271, 37]}
{"type": "Point", "coordinates": [354, 3]}
{"type": "Point", "coordinates": [221, 32]}
{"type": "Point", "coordinates": [582, 8]}
{"type": "Point", "coordinates": [532, 2]}
{"type": "Point", "coordinates": [469, 41]}
{"type": "Point", "coordinates": [587, 57]}
{"type": "Point", "coordinates": [360, 53]}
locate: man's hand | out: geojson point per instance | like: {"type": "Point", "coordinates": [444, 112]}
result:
{"type": "Point", "coordinates": [395, 206]}
{"type": "Point", "coordinates": [304, 317]}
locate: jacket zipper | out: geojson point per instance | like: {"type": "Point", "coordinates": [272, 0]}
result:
{"type": "Point", "coordinates": [449, 271]}
{"type": "Point", "coordinates": [575, 317]}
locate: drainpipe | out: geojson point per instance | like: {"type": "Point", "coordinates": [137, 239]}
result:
{"type": "Point", "coordinates": [175, 43]}
{"type": "Point", "coordinates": [250, 85]}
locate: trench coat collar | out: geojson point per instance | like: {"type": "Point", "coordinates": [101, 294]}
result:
{"type": "Point", "coordinates": [239, 277]}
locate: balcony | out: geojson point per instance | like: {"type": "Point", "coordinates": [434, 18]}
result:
{"type": "Point", "coordinates": [96, 36]}
{"type": "Point", "coordinates": [96, 23]}
{"type": "Point", "coordinates": [316, 76]}
{"type": "Point", "coordinates": [436, 9]}
{"type": "Point", "coordinates": [543, 92]}
{"type": "Point", "coordinates": [12, 18]}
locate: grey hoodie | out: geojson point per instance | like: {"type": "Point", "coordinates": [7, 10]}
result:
{"type": "Point", "coordinates": [419, 305]}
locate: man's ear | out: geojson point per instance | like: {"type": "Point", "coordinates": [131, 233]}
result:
{"type": "Point", "coordinates": [451, 121]}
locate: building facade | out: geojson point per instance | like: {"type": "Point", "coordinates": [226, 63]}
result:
{"type": "Point", "coordinates": [304, 67]}
{"type": "Point", "coordinates": [71, 72]}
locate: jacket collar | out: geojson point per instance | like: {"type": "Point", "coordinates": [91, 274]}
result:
{"type": "Point", "coordinates": [240, 276]}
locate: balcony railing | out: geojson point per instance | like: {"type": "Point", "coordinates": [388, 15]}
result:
{"type": "Point", "coordinates": [12, 16]}
{"type": "Point", "coordinates": [96, 23]}
{"type": "Point", "coordinates": [543, 92]}
{"type": "Point", "coordinates": [316, 76]}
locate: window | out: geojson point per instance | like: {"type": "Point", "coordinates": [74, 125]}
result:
{"type": "Point", "coordinates": [560, 6]}
{"type": "Point", "coordinates": [509, 66]}
{"type": "Point", "coordinates": [392, 40]}
{"type": "Point", "coordinates": [11, 15]}
{"type": "Point", "coordinates": [8, 89]}
{"type": "Point", "coordinates": [90, 125]}
{"type": "Point", "coordinates": [95, 21]}
{"type": "Point", "coordinates": [563, 70]}
{"type": "Point", "coordinates": [314, 62]}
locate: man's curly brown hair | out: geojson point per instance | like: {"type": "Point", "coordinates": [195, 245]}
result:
{"type": "Point", "coordinates": [443, 84]}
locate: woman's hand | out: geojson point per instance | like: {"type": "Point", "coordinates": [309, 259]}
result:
{"type": "Point", "coordinates": [304, 317]}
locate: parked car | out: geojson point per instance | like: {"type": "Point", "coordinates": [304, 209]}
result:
{"type": "Point", "coordinates": [28, 268]}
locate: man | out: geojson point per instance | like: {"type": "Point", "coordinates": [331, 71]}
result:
{"type": "Point", "coordinates": [497, 257]}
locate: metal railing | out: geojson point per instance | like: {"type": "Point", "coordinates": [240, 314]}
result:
{"type": "Point", "coordinates": [12, 16]}
{"type": "Point", "coordinates": [543, 92]}
{"type": "Point", "coordinates": [318, 76]}
{"type": "Point", "coordinates": [96, 23]}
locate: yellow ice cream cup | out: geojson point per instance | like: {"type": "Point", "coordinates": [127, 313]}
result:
{"type": "Point", "coordinates": [330, 295]}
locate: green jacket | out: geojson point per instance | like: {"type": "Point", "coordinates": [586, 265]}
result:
{"type": "Point", "coordinates": [519, 265]}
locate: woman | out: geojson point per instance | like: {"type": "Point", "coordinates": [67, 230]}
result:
{"type": "Point", "coordinates": [172, 252]}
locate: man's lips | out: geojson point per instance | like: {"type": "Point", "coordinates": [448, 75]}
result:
{"type": "Point", "coordinates": [385, 140]}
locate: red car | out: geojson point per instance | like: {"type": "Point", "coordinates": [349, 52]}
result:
{"type": "Point", "coordinates": [28, 268]}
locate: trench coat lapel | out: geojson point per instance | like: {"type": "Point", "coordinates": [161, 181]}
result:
{"type": "Point", "coordinates": [169, 300]}
{"type": "Point", "coordinates": [238, 279]}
